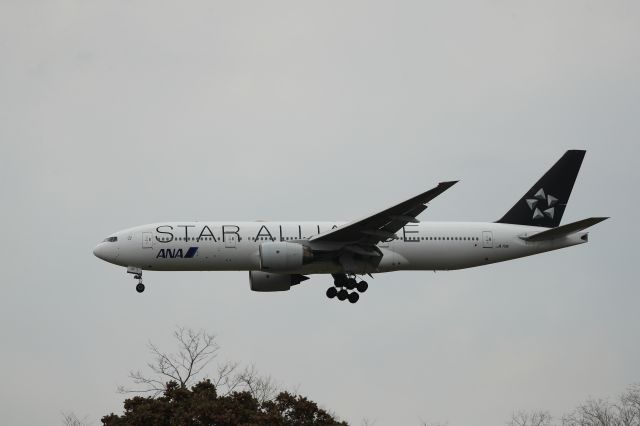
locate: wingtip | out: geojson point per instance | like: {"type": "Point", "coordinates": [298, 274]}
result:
{"type": "Point", "coordinates": [449, 182]}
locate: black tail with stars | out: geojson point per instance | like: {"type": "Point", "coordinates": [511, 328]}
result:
{"type": "Point", "coordinates": [544, 204]}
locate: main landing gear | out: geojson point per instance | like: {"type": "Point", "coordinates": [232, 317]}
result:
{"type": "Point", "coordinates": [342, 286]}
{"type": "Point", "coordinates": [137, 275]}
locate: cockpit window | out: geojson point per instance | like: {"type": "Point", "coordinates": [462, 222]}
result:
{"type": "Point", "coordinates": [110, 240]}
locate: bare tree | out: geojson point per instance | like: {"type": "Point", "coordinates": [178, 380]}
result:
{"type": "Point", "coordinates": [599, 412]}
{"type": "Point", "coordinates": [425, 423]}
{"type": "Point", "coordinates": [70, 419]}
{"type": "Point", "coordinates": [262, 388]}
{"type": "Point", "coordinates": [629, 406]}
{"type": "Point", "coordinates": [196, 351]}
{"type": "Point", "coordinates": [530, 418]}
{"type": "Point", "coordinates": [231, 378]}
{"type": "Point", "coordinates": [593, 412]}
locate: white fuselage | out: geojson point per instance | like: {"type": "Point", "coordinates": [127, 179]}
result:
{"type": "Point", "coordinates": [234, 246]}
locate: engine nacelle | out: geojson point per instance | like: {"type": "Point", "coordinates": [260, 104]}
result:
{"type": "Point", "coordinates": [268, 281]}
{"type": "Point", "coordinates": [283, 256]}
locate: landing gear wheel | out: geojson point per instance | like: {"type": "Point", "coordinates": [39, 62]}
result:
{"type": "Point", "coordinates": [362, 286]}
{"type": "Point", "coordinates": [351, 283]}
{"type": "Point", "coordinates": [332, 292]}
{"type": "Point", "coordinates": [140, 288]}
{"type": "Point", "coordinates": [342, 294]}
{"type": "Point", "coordinates": [353, 297]}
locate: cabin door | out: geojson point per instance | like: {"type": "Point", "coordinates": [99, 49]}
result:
{"type": "Point", "coordinates": [230, 240]}
{"type": "Point", "coordinates": [487, 239]}
{"type": "Point", "coordinates": [147, 240]}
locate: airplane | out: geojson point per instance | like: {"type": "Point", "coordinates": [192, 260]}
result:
{"type": "Point", "coordinates": [279, 255]}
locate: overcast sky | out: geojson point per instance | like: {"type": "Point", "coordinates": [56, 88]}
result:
{"type": "Point", "coordinates": [119, 113]}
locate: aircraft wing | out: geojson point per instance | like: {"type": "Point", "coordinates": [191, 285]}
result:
{"type": "Point", "coordinates": [383, 225]}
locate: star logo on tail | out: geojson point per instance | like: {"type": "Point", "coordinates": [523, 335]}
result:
{"type": "Point", "coordinates": [542, 205]}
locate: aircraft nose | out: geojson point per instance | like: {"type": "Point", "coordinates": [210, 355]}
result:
{"type": "Point", "coordinates": [105, 252]}
{"type": "Point", "coordinates": [99, 251]}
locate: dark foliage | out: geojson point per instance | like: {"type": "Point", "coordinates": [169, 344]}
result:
{"type": "Point", "coordinates": [201, 405]}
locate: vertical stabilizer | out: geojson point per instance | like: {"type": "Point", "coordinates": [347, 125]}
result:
{"type": "Point", "coordinates": [544, 204]}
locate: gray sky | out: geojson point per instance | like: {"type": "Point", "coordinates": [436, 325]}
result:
{"type": "Point", "coordinates": [118, 113]}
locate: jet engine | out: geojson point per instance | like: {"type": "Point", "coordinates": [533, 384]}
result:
{"type": "Point", "coordinates": [267, 281]}
{"type": "Point", "coordinates": [283, 256]}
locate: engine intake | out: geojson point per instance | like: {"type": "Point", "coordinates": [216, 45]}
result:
{"type": "Point", "coordinates": [268, 281]}
{"type": "Point", "coordinates": [283, 256]}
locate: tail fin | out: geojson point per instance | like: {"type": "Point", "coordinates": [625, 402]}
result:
{"type": "Point", "coordinates": [544, 203]}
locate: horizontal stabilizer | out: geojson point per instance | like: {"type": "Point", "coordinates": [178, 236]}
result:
{"type": "Point", "coordinates": [564, 230]}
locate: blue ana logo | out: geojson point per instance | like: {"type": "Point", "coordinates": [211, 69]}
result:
{"type": "Point", "coordinates": [177, 253]}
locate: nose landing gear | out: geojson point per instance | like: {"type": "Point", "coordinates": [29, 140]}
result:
{"type": "Point", "coordinates": [342, 283]}
{"type": "Point", "coordinates": [137, 275]}
{"type": "Point", "coordinates": [140, 286]}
